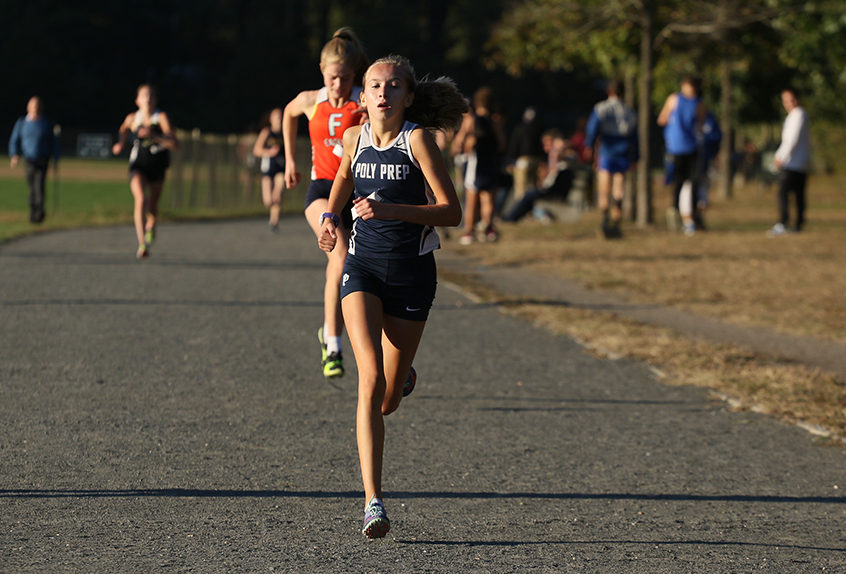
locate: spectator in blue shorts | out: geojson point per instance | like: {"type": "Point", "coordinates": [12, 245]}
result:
{"type": "Point", "coordinates": [614, 126]}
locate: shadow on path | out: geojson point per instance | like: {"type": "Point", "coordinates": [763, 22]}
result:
{"type": "Point", "coordinates": [619, 542]}
{"type": "Point", "coordinates": [100, 302]}
{"type": "Point", "coordinates": [82, 258]}
{"type": "Point", "coordinates": [469, 495]}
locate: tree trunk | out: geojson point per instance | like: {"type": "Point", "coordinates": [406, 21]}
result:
{"type": "Point", "coordinates": [644, 179]}
{"type": "Point", "coordinates": [727, 126]}
{"type": "Point", "coordinates": [629, 210]}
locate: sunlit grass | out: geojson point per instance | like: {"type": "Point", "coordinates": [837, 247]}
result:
{"type": "Point", "coordinates": [732, 272]}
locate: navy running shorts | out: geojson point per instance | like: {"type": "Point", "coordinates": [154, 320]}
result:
{"type": "Point", "coordinates": [613, 164]}
{"type": "Point", "coordinates": [320, 189]}
{"type": "Point", "coordinates": [270, 166]}
{"type": "Point", "coordinates": [481, 175]}
{"type": "Point", "coordinates": [405, 286]}
{"type": "Point", "coordinates": [152, 167]}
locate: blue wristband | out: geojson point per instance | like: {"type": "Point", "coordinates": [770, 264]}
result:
{"type": "Point", "coordinates": [329, 215]}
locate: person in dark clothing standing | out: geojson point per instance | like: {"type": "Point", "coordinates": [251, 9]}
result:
{"type": "Point", "coordinates": [33, 138]}
{"type": "Point", "coordinates": [525, 151]}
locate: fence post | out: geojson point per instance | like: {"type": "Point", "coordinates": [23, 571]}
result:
{"type": "Point", "coordinates": [195, 167]}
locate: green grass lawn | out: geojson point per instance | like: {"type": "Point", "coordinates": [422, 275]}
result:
{"type": "Point", "coordinates": [70, 198]}
{"type": "Point", "coordinates": [71, 204]}
{"type": "Point", "coordinates": [96, 192]}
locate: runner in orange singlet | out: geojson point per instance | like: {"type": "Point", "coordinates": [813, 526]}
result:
{"type": "Point", "coordinates": [330, 111]}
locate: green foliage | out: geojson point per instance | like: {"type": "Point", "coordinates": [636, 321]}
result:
{"type": "Point", "coordinates": [814, 48]}
{"type": "Point", "coordinates": [554, 35]}
{"type": "Point", "coordinates": [765, 41]}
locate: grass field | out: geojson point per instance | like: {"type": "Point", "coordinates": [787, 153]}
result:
{"type": "Point", "coordinates": [96, 192]}
{"type": "Point", "coordinates": [733, 272]}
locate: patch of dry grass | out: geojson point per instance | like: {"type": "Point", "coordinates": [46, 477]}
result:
{"type": "Point", "coordinates": [733, 272]}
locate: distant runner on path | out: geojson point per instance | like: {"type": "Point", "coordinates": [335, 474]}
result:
{"type": "Point", "coordinates": [152, 139]}
{"type": "Point", "coordinates": [269, 149]}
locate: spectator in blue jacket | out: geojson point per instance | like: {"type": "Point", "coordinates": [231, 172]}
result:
{"type": "Point", "coordinates": [614, 125]}
{"type": "Point", "coordinates": [34, 139]}
{"type": "Point", "coordinates": [712, 135]}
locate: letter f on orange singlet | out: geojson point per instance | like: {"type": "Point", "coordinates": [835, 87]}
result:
{"type": "Point", "coordinates": [326, 127]}
{"type": "Point", "coordinates": [334, 124]}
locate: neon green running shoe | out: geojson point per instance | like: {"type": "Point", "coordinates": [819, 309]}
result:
{"type": "Point", "coordinates": [333, 366]}
{"type": "Point", "coordinates": [150, 236]}
{"type": "Point", "coordinates": [332, 363]}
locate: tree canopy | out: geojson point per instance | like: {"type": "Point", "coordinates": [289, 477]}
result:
{"type": "Point", "coordinates": [770, 43]}
{"type": "Point", "coordinates": [220, 65]}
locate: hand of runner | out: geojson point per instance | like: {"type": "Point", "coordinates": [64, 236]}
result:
{"type": "Point", "coordinates": [328, 236]}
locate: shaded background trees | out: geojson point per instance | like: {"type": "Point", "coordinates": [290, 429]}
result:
{"type": "Point", "coordinates": [746, 51]}
{"type": "Point", "coordinates": [219, 65]}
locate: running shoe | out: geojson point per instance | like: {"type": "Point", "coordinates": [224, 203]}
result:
{"type": "Point", "coordinates": [142, 252]}
{"type": "Point", "coordinates": [332, 363]}
{"type": "Point", "coordinates": [777, 230]}
{"type": "Point", "coordinates": [376, 523]}
{"type": "Point", "coordinates": [322, 345]}
{"type": "Point", "coordinates": [614, 230]}
{"type": "Point", "coordinates": [333, 366]}
{"type": "Point", "coordinates": [150, 236]}
{"type": "Point", "coordinates": [408, 387]}
{"type": "Point", "coordinates": [491, 234]}
{"type": "Point", "coordinates": [466, 239]}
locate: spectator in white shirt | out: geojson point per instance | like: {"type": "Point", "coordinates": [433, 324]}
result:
{"type": "Point", "coordinates": [793, 160]}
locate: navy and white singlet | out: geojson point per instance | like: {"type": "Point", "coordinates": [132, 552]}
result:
{"type": "Point", "coordinates": [271, 165]}
{"type": "Point", "coordinates": [389, 175]}
{"type": "Point", "coordinates": [147, 157]}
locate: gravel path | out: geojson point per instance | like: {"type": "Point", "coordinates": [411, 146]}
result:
{"type": "Point", "coordinates": [170, 416]}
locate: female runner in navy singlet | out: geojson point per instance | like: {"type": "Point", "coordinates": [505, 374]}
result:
{"type": "Point", "coordinates": [152, 139]}
{"type": "Point", "coordinates": [389, 279]}
{"type": "Point", "coordinates": [269, 149]}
